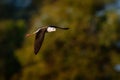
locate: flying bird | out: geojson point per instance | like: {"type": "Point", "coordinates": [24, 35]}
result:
{"type": "Point", "coordinates": [40, 33]}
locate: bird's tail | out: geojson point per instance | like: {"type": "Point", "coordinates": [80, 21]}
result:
{"type": "Point", "coordinates": [28, 35]}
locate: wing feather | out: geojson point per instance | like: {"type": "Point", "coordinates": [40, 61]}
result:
{"type": "Point", "coordinates": [39, 40]}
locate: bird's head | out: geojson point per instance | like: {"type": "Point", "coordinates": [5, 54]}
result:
{"type": "Point", "coordinates": [51, 29]}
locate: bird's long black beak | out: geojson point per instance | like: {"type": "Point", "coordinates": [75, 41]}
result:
{"type": "Point", "coordinates": [65, 28]}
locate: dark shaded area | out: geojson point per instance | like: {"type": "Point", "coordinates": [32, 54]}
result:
{"type": "Point", "coordinates": [12, 37]}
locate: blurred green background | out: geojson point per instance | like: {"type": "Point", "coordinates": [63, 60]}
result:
{"type": "Point", "coordinates": [89, 50]}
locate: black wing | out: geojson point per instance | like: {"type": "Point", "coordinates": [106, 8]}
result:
{"type": "Point", "coordinates": [39, 39]}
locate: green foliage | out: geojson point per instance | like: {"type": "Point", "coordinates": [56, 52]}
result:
{"type": "Point", "coordinates": [85, 52]}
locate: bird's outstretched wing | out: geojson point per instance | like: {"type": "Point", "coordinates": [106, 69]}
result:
{"type": "Point", "coordinates": [39, 39]}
